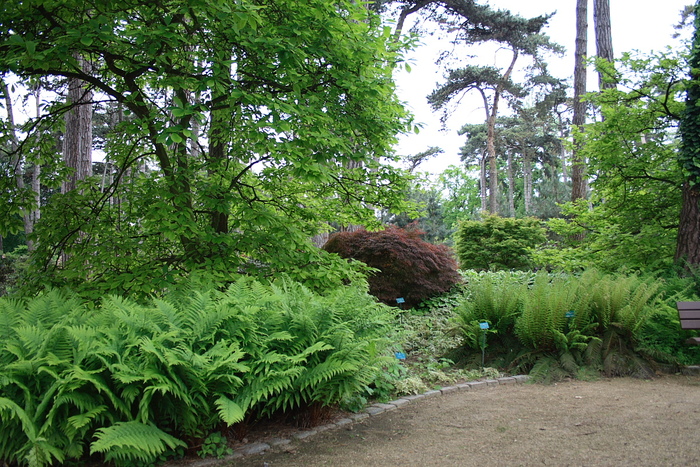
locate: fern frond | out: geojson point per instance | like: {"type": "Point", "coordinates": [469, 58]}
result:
{"type": "Point", "coordinates": [133, 441]}
{"type": "Point", "coordinates": [229, 411]}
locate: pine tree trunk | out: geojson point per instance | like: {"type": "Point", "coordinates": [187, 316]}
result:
{"type": "Point", "coordinates": [511, 186]}
{"type": "Point", "coordinates": [578, 181]}
{"type": "Point", "coordinates": [482, 183]}
{"type": "Point", "coordinates": [527, 181]}
{"type": "Point", "coordinates": [77, 140]}
{"type": "Point", "coordinates": [493, 163]}
{"type": "Point", "coordinates": [603, 38]}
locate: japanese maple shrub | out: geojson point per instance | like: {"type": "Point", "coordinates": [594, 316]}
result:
{"type": "Point", "coordinates": [409, 267]}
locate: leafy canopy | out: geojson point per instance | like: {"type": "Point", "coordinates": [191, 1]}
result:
{"type": "Point", "coordinates": [246, 127]}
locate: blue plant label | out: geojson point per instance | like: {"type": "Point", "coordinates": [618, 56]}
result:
{"type": "Point", "coordinates": [484, 325]}
{"type": "Point", "coordinates": [400, 300]}
{"type": "Point", "coordinates": [400, 355]}
{"type": "Point", "coordinates": [570, 314]}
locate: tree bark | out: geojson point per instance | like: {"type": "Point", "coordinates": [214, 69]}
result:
{"type": "Point", "coordinates": [527, 180]}
{"type": "Point", "coordinates": [578, 180]}
{"type": "Point", "coordinates": [77, 140]}
{"type": "Point", "coordinates": [603, 39]}
{"type": "Point", "coordinates": [29, 216]}
{"type": "Point", "coordinates": [511, 186]}
{"type": "Point", "coordinates": [482, 185]}
{"type": "Point", "coordinates": [688, 240]}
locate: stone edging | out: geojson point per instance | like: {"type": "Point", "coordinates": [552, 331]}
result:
{"type": "Point", "coordinates": [370, 411]}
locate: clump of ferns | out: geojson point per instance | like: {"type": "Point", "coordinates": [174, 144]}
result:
{"type": "Point", "coordinates": [569, 356]}
{"type": "Point", "coordinates": [622, 306]}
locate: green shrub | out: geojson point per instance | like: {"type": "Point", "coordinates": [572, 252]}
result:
{"type": "Point", "coordinates": [498, 243]}
{"type": "Point", "coordinates": [131, 382]}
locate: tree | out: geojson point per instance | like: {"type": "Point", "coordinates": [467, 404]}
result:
{"type": "Point", "coordinates": [283, 112]}
{"type": "Point", "coordinates": [578, 164]}
{"type": "Point", "coordinates": [521, 36]}
{"type": "Point", "coordinates": [688, 242]}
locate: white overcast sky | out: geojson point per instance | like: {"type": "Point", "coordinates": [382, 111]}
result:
{"type": "Point", "coordinates": [643, 25]}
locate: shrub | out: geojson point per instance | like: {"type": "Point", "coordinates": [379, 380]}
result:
{"type": "Point", "coordinates": [408, 266]}
{"type": "Point", "coordinates": [497, 243]}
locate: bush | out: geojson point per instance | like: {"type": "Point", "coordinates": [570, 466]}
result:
{"type": "Point", "coordinates": [130, 383]}
{"type": "Point", "coordinates": [498, 243]}
{"type": "Point", "coordinates": [409, 267]}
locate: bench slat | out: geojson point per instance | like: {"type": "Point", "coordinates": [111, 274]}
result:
{"type": "Point", "coordinates": [689, 314]}
{"type": "Point", "coordinates": [690, 324]}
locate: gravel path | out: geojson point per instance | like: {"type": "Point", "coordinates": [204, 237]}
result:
{"type": "Point", "coordinates": [609, 422]}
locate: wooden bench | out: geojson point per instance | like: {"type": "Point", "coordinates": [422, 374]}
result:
{"type": "Point", "coordinates": [689, 314]}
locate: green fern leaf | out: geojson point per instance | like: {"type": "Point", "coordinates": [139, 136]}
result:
{"type": "Point", "coordinates": [229, 411]}
{"type": "Point", "coordinates": [133, 441]}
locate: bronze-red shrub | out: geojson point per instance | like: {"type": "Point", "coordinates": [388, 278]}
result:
{"type": "Point", "coordinates": [410, 268]}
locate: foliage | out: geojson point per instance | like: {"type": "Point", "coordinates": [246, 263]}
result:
{"type": "Point", "coordinates": [215, 446]}
{"type": "Point", "coordinates": [235, 148]}
{"type": "Point", "coordinates": [494, 298]}
{"type": "Point", "coordinates": [497, 243]}
{"type": "Point", "coordinates": [429, 216]}
{"type": "Point", "coordinates": [12, 268]}
{"type": "Point", "coordinates": [461, 192]}
{"type": "Point", "coordinates": [409, 267]}
{"type": "Point", "coordinates": [132, 382]}
{"type": "Point", "coordinates": [631, 219]}
{"type": "Point", "coordinates": [689, 155]}
{"type": "Point", "coordinates": [566, 325]}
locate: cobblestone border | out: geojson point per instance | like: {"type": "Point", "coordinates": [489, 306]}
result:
{"type": "Point", "coordinates": [370, 411]}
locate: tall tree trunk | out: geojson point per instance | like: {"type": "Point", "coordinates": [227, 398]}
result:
{"type": "Point", "coordinates": [511, 185]}
{"type": "Point", "coordinates": [491, 136]}
{"type": "Point", "coordinates": [35, 215]}
{"type": "Point", "coordinates": [527, 180]}
{"type": "Point", "coordinates": [578, 180]}
{"type": "Point", "coordinates": [688, 241]}
{"type": "Point", "coordinates": [603, 39]}
{"type": "Point", "coordinates": [482, 182]}
{"type": "Point", "coordinates": [77, 141]}
{"type": "Point", "coordinates": [29, 216]}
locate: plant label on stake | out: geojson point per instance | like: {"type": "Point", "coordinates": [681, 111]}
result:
{"type": "Point", "coordinates": [484, 328]}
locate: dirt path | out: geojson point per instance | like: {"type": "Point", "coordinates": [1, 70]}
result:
{"type": "Point", "coordinates": [609, 422]}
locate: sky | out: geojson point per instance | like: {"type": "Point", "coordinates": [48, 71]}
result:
{"type": "Point", "coordinates": [634, 27]}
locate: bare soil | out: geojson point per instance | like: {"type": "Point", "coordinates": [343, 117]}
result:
{"type": "Point", "coordinates": [618, 422]}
